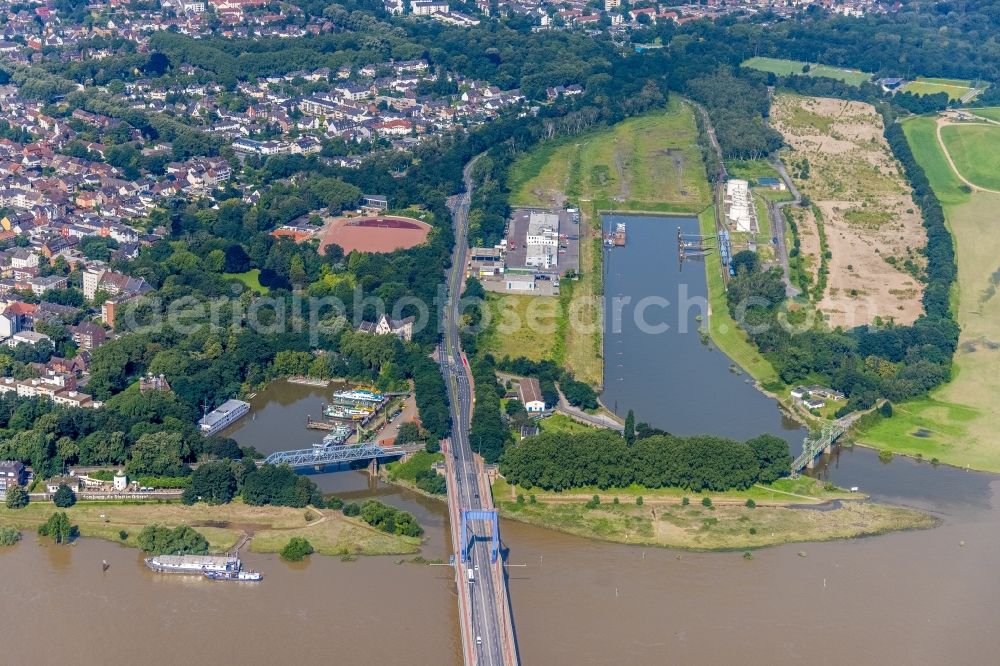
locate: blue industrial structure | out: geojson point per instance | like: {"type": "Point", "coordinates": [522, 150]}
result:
{"type": "Point", "coordinates": [725, 251]}
{"type": "Point", "coordinates": [334, 455]}
{"type": "Point", "coordinates": [480, 514]}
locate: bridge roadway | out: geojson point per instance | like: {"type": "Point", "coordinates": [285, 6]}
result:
{"type": "Point", "coordinates": [334, 455]}
{"type": "Point", "coordinates": [484, 609]}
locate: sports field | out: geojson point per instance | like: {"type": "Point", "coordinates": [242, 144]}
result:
{"type": "Point", "coordinates": [373, 234]}
{"type": "Point", "coordinates": [783, 67]}
{"type": "Point", "coordinates": [956, 88]}
{"type": "Point", "coordinates": [975, 149]}
{"type": "Point", "coordinates": [957, 423]}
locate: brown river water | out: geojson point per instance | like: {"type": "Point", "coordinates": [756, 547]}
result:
{"type": "Point", "coordinates": [906, 598]}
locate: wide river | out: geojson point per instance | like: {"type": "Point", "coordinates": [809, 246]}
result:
{"type": "Point", "coordinates": [928, 597]}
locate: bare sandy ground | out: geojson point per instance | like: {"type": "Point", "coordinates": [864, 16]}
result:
{"type": "Point", "coordinates": [867, 209]}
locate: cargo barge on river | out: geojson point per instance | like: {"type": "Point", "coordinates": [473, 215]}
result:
{"type": "Point", "coordinates": [213, 567]}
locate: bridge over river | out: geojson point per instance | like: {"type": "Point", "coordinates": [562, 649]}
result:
{"type": "Point", "coordinates": [339, 454]}
{"type": "Point", "coordinates": [484, 604]}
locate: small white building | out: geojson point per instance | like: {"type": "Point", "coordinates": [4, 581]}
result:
{"type": "Point", "coordinates": [27, 337]}
{"type": "Point", "coordinates": [739, 204]}
{"type": "Point", "coordinates": [530, 394]}
{"type": "Point", "coordinates": [521, 284]}
{"type": "Point", "coordinates": [120, 481]}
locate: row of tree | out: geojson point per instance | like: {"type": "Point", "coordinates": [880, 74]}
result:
{"type": "Point", "coordinates": [602, 458]}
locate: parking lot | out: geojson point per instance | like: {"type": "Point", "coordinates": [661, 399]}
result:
{"type": "Point", "coordinates": [568, 257]}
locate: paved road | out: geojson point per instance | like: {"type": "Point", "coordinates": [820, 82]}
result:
{"type": "Point", "coordinates": [599, 420]}
{"type": "Point", "coordinates": [778, 225]}
{"type": "Point", "coordinates": [487, 595]}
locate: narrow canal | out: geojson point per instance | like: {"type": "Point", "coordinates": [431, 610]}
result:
{"type": "Point", "coordinates": [657, 362]}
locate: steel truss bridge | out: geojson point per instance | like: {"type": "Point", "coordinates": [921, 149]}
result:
{"type": "Point", "coordinates": [338, 454]}
{"type": "Point", "coordinates": [818, 443]}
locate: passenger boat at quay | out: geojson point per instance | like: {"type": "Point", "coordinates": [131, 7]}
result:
{"type": "Point", "coordinates": [346, 412]}
{"type": "Point", "coordinates": [339, 435]}
{"type": "Point", "coordinates": [358, 397]}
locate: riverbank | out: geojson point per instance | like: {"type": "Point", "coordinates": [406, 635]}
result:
{"type": "Point", "coordinates": [723, 330]}
{"type": "Point", "coordinates": [789, 511]}
{"type": "Point", "coordinates": [329, 531]}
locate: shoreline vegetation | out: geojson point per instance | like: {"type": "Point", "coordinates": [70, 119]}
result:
{"type": "Point", "coordinates": [786, 511]}
{"type": "Point", "coordinates": [223, 525]}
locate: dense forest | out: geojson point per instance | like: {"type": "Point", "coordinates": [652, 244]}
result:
{"type": "Point", "coordinates": [602, 458]}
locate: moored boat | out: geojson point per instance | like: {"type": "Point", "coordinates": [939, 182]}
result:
{"type": "Point", "coordinates": [192, 564]}
{"type": "Point", "coordinates": [239, 576]}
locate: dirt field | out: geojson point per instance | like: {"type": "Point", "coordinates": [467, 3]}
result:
{"type": "Point", "coordinates": [873, 230]}
{"type": "Point", "coordinates": [373, 234]}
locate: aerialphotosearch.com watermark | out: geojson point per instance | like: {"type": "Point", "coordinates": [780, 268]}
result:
{"type": "Point", "coordinates": [320, 316]}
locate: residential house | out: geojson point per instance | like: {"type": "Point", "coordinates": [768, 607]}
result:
{"type": "Point", "coordinates": [529, 392]}
{"type": "Point", "coordinates": [114, 284]}
{"type": "Point", "coordinates": [401, 328]}
{"type": "Point", "coordinates": [88, 335]}
{"type": "Point", "coordinates": [43, 283]}
{"type": "Point", "coordinates": [12, 473]}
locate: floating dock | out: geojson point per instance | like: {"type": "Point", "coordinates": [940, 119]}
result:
{"type": "Point", "coordinates": [616, 238]}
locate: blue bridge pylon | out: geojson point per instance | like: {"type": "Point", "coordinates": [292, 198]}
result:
{"type": "Point", "coordinates": [490, 515]}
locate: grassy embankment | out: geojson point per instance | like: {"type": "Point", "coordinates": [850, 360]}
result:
{"type": "Point", "coordinates": [250, 279]}
{"type": "Point", "coordinates": [783, 67]}
{"type": "Point", "coordinates": [663, 519]}
{"type": "Point", "coordinates": [330, 532]}
{"type": "Point", "coordinates": [958, 422]}
{"type": "Point", "coordinates": [727, 336]}
{"type": "Point", "coordinates": [651, 163]}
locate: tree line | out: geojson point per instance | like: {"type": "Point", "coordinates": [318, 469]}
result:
{"type": "Point", "coordinates": [561, 461]}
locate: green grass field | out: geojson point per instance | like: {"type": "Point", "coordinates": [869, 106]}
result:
{"type": "Point", "coordinates": [251, 279]}
{"type": "Point", "coordinates": [521, 326]}
{"type": "Point", "coordinates": [955, 88]}
{"type": "Point", "coordinates": [783, 67]}
{"type": "Point", "coordinates": [648, 163]}
{"type": "Point", "coordinates": [990, 112]}
{"type": "Point", "coordinates": [663, 519]}
{"type": "Point", "coordinates": [562, 423]}
{"type": "Point", "coordinates": [958, 422]}
{"type": "Point", "coordinates": [421, 461]}
{"type": "Point", "coordinates": [921, 135]}
{"type": "Point", "coordinates": [975, 150]}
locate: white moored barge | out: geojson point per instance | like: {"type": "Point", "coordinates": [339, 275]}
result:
{"type": "Point", "coordinates": [193, 564]}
